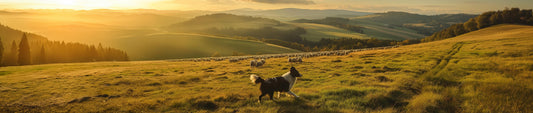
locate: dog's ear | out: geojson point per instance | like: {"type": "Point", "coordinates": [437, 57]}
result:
{"type": "Point", "coordinates": [293, 70]}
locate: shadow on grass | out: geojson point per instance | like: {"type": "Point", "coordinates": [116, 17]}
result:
{"type": "Point", "coordinates": [299, 105]}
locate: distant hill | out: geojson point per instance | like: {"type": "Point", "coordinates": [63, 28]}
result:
{"type": "Point", "coordinates": [224, 20]}
{"type": "Point", "coordinates": [9, 35]}
{"type": "Point", "coordinates": [92, 26]}
{"type": "Point", "coordinates": [422, 24]}
{"type": "Point", "coordinates": [183, 45]}
{"type": "Point", "coordinates": [230, 25]}
{"type": "Point", "coordinates": [315, 32]}
{"type": "Point", "coordinates": [288, 14]}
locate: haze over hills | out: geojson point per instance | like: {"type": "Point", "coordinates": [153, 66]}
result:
{"type": "Point", "coordinates": [110, 27]}
{"type": "Point", "coordinates": [288, 14]}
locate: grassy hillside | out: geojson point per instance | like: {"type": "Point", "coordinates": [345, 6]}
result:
{"type": "Point", "coordinates": [315, 32]}
{"type": "Point", "coordinates": [420, 24]}
{"type": "Point", "coordinates": [385, 31]}
{"type": "Point", "coordinates": [487, 70]}
{"type": "Point", "coordinates": [182, 45]}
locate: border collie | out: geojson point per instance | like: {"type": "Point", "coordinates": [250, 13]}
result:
{"type": "Point", "coordinates": [277, 84]}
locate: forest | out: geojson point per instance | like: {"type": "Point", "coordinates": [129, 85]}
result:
{"type": "Point", "coordinates": [29, 51]}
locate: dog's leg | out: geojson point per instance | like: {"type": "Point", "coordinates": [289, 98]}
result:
{"type": "Point", "coordinates": [271, 94]}
{"type": "Point", "coordinates": [290, 92]}
{"type": "Point", "coordinates": [279, 94]}
{"type": "Point", "coordinates": [262, 94]}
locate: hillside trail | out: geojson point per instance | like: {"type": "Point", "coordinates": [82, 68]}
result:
{"type": "Point", "coordinates": [443, 62]}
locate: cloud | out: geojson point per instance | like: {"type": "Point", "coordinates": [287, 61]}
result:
{"type": "Point", "coordinates": [305, 2]}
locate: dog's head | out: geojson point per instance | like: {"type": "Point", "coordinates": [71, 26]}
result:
{"type": "Point", "coordinates": [295, 72]}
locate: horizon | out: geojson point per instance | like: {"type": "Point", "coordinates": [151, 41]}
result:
{"type": "Point", "coordinates": [238, 9]}
{"type": "Point", "coordinates": [418, 7]}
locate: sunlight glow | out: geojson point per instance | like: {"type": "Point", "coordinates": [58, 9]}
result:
{"type": "Point", "coordinates": [82, 4]}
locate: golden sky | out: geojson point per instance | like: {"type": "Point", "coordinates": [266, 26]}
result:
{"type": "Point", "coordinates": [414, 6]}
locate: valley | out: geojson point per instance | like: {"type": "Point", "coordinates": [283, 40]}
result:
{"type": "Point", "coordinates": [460, 74]}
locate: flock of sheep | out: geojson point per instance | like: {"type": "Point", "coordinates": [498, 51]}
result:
{"type": "Point", "coordinates": [292, 57]}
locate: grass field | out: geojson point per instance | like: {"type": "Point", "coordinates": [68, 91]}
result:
{"type": "Point", "coordinates": [315, 32]}
{"type": "Point", "coordinates": [185, 45]}
{"type": "Point", "coordinates": [489, 70]}
{"type": "Point", "coordinates": [384, 31]}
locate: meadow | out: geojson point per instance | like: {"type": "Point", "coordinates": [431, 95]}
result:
{"type": "Point", "coordinates": [315, 32]}
{"type": "Point", "coordinates": [489, 70]}
{"type": "Point", "coordinates": [186, 45]}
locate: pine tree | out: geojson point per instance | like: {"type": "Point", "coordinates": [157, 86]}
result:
{"type": "Point", "coordinates": [1, 51]}
{"type": "Point", "coordinates": [42, 56]}
{"type": "Point", "coordinates": [101, 52]}
{"type": "Point", "coordinates": [12, 57]}
{"type": "Point", "coordinates": [93, 54]}
{"type": "Point", "coordinates": [24, 51]}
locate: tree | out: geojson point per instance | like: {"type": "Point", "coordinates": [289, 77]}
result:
{"type": "Point", "coordinates": [1, 50]}
{"type": "Point", "coordinates": [511, 15]}
{"type": "Point", "coordinates": [459, 29]}
{"type": "Point", "coordinates": [525, 15]}
{"type": "Point", "coordinates": [42, 56]}
{"type": "Point", "coordinates": [24, 51]}
{"type": "Point", "coordinates": [483, 20]}
{"type": "Point", "coordinates": [496, 18]}
{"type": "Point", "coordinates": [470, 25]}
{"type": "Point", "coordinates": [93, 54]}
{"type": "Point", "coordinates": [12, 56]}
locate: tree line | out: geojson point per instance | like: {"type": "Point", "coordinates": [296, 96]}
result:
{"type": "Point", "coordinates": [487, 19]}
{"type": "Point", "coordinates": [29, 52]}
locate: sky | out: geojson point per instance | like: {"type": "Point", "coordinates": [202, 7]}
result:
{"type": "Point", "coordinates": [413, 6]}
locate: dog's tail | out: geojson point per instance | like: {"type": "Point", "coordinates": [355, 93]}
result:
{"type": "Point", "coordinates": [256, 79]}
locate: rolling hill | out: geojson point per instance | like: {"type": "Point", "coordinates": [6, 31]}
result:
{"type": "Point", "coordinates": [225, 21]}
{"type": "Point", "coordinates": [315, 32]}
{"type": "Point", "coordinates": [183, 45]}
{"type": "Point", "coordinates": [487, 70]}
{"type": "Point", "coordinates": [420, 24]}
{"type": "Point", "coordinates": [289, 14]}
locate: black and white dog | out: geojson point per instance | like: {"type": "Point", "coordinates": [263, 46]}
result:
{"type": "Point", "coordinates": [277, 84]}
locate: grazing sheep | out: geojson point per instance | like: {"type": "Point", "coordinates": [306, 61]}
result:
{"type": "Point", "coordinates": [263, 61]}
{"type": "Point", "coordinates": [253, 63]}
{"type": "Point", "coordinates": [295, 59]}
{"type": "Point", "coordinates": [257, 64]}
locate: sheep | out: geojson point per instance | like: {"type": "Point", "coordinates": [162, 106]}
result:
{"type": "Point", "coordinates": [263, 61]}
{"type": "Point", "coordinates": [295, 59]}
{"type": "Point", "coordinates": [255, 63]}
